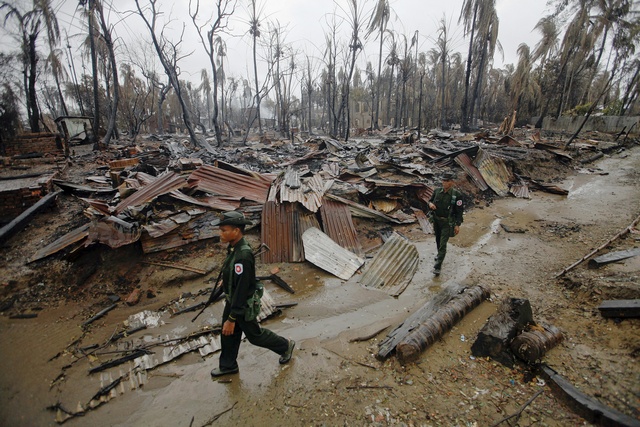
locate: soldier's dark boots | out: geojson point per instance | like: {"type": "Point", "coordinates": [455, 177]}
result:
{"type": "Point", "coordinates": [218, 372]}
{"type": "Point", "coordinates": [286, 356]}
{"type": "Point", "coordinates": [436, 271]}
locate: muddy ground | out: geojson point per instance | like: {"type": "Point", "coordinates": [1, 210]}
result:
{"type": "Point", "coordinates": [332, 379]}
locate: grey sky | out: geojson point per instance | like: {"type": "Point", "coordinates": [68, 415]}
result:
{"type": "Point", "coordinates": [306, 23]}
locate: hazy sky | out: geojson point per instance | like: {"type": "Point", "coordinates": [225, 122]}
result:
{"type": "Point", "coordinates": [305, 22]}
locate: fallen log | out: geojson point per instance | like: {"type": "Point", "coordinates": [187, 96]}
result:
{"type": "Point", "coordinates": [533, 344]}
{"type": "Point", "coordinates": [493, 340]}
{"type": "Point", "coordinates": [586, 406]}
{"type": "Point", "coordinates": [599, 248]}
{"type": "Point", "coordinates": [620, 308]}
{"type": "Point", "coordinates": [23, 219]}
{"type": "Point", "coordinates": [441, 322]}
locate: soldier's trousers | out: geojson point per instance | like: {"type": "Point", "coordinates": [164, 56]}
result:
{"type": "Point", "coordinates": [254, 333]}
{"type": "Point", "coordinates": [442, 230]}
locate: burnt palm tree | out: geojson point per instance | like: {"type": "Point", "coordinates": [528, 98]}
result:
{"type": "Point", "coordinates": [31, 23]}
{"type": "Point", "coordinates": [378, 22]}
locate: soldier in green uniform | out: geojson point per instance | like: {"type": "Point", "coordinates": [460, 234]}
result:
{"type": "Point", "coordinates": [446, 214]}
{"type": "Point", "coordinates": [239, 283]}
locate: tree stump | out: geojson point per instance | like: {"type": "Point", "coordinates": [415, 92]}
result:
{"type": "Point", "coordinates": [513, 316]}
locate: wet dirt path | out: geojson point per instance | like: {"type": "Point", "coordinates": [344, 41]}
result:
{"type": "Point", "coordinates": [328, 314]}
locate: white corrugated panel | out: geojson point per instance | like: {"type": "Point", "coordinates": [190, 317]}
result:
{"type": "Point", "coordinates": [393, 266]}
{"type": "Point", "coordinates": [323, 252]}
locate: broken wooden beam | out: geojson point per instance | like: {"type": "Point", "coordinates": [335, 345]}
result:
{"type": "Point", "coordinates": [99, 314]}
{"type": "Point", "coordinates": [613, 257]}
{"type": "Point", "coordinates": [176, 266]}
{"type": "Point", "coordinates": [620, 308]}
{"type": "Point", "coordinates": [23, 219]}
{"type": "Point", "coordinates": [599, 248]}
{"type": "Point", "coordinates": [533, 344]}
{"type": "Point", "coordinates": [441, 322]}
{"type": "Point", "coordinates": [493, 340]}
{"type": "Point", "coordinates": [586, 406]}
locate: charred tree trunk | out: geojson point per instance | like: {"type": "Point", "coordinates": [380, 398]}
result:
{"type": "Point", "coordinates": [495, 336]}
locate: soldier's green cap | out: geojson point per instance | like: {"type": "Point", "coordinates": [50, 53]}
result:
{"type": "Point", "coordinates": [234, 218]}
{"type": "Point", "coordinates": [448, 176]}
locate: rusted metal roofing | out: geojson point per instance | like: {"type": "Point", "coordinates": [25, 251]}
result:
{"type": "Point", "coordinates": [323, 252]}
{"type": "Point", "coordinates": [423, 221]}
{"type": "Point", "coordinates": [365, 212]}
{"type": "Point", "coordinates": [393, 267]}
{"type": "Point", "coordinates": [520, 190]}
{"type": "Point", "coordinates": [113, 232]}
{"type": "Point", "coordinates": [221, 182]}
{"type": "Point", "coordinates": [290, 187]}
{"type": "Point", "coordinates": [423, 192]}
{"type": "Point", "coordinates": [281, 230]}
{"type": "Point", "coordinates": [214, 202]}
{"type": "Point", "coordinates": [199, 228]}
{"type": "Point", "coordinates": [465, 163]}
{"type": "Point", "coordinates": [494, 171]}
{"type": "Point", "coordinates": [338, 224]}
{"type": "Point", "coordinates": [75, 236]}
{"type": "Point", "coordinates": [163, 184]}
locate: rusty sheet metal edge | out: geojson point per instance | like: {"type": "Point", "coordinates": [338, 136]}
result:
{"type": "Point", "coordinates": [393, 267]}
{"type": "Point", "coordinates": [363, 211]}
{"type": "Point", "coordinates": [338, 224]}
{"type": "Point", "coordinates": [281, 230]}
{"type": "Point", "coordinates": [323, 252]}
{"type": "Point", "coordinates": [224, 183]}
{"type": "Point", "coordinates": [165, 183]}
{"type": "Point", "coordinates": [465, 163]}
{"type": "Point", "coordinates": [68, 239]}
{"type": "Point", "coordinates": [494, 171]}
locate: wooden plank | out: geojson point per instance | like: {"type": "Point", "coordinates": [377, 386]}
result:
{"type": "Point", "coordinates": [23, 219]}
{"type": "Point", "coordinates": [620, 308]}
{"type": "Point", "coordinates": [613, 257]}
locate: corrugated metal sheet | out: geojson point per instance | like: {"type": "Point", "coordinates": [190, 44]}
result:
{"type": "Point", "coordinates": [214, 202]}
{"type": "Point", "coordinates": [494, 171]}
{"type": "Point", "coordinates": [221, 182]}
{"type": "Point", "coordinates": [363, 211]}
{"type": "Point", "coordinates": [423, 221]}
{"type": "Point", "coordinates": [338, 225]}
{"type": "Point", "coordinates": [77, 235]}
{"type": "Point", "coordinates": [197, 229]}
{"type": "Point", "coordinates": [465, 163]}
{"type": "Point", "coordinates": [393, 266]}
{"type": "Point", "coordinates": [384, 205]}
{"type": "Point", "coordinates": [281, 230]}
{"type": "Point", "coordinates": [163, 184]}
{"type": "Point", "coordinates": [323, 252]}
{"type": "Point", "coordinates": [291, 188]}
{"type": "Point", "coordinates": [520, 190]}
